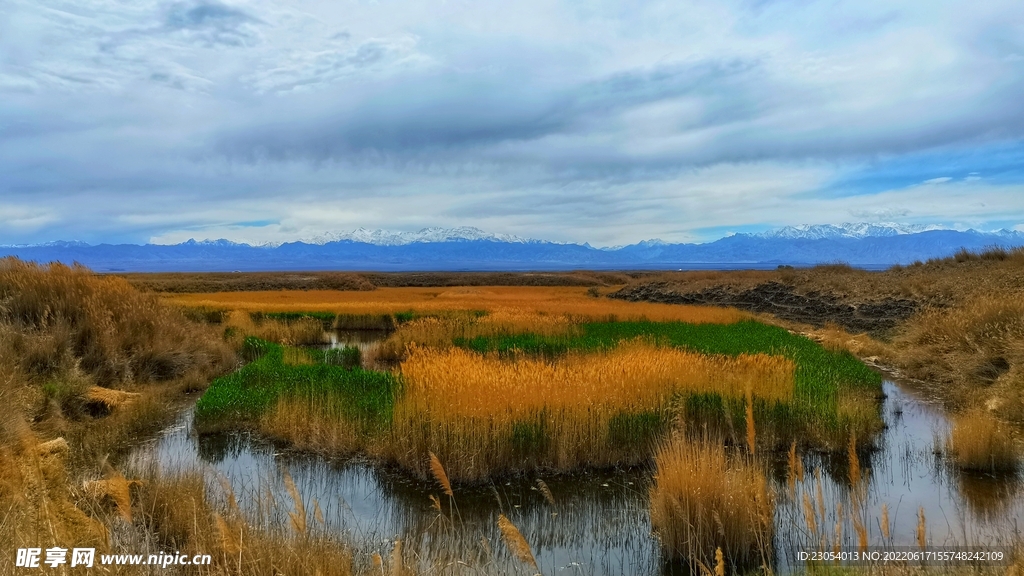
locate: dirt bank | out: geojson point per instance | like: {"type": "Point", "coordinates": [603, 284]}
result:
{"type": "Point", "coordinates": [874, 316]}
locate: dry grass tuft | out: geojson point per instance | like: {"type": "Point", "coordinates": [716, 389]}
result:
{"type": "Point", "coordinates": [703, 500]}
{"type": "Point", "coordinates": [978, 442]}
{"type": "Point", "coordinates": [177, 510]}
{"type": "Point", "coordinates": [116, 489]}
{"type": "Point", "coordinates": [439, 331]}
{"type": "Point", "coordinates": [975, 348]}
{"type": "Point", "coordinates": [110, 398]}
{"type": "Point", "coordinates": [67, 318]}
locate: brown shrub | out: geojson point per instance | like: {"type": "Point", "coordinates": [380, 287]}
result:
{"type": "Point", "coordinates": [68, 317]}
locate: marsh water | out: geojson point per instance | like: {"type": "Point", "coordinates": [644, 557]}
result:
{"type": "Point", "coordinates": [598, 523]}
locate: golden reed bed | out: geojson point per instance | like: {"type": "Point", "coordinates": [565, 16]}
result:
{"type": "Point", "coordinates": [573, 301]}
{"type": "Point", "coordinates": [483, 415]}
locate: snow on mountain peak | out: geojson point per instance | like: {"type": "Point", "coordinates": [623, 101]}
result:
{"type": "Point", "coordinates": [431, 235]}
{"type": "Point", "coordinates": [846, 230]}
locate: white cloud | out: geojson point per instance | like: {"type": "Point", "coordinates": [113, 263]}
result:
{"type": "Point", "coordinates": [608, 122]}
{"type": "Point", "coordinates": [25, 218]}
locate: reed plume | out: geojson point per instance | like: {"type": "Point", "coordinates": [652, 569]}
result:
{"type": "Point", "coordinates": [397, 563]}
{"type": "Point", "coordinates": [298, 516]}
{"type": "Point", "coordinates": [229, 492]}
{"type": "Point", "coordinates": [439, 474]}
{"type": "Point", "coordinates": [515, 541]}
{"type": "Point", "coordinates": [854, 472]}
{"type": "Point", "coordinates": [921, 535]}
{"type": "Point", "coordinates": [229, 542]}
{"type": "Point", "coordinates": [545, 491]}
{"type": "Point", "coordinates": [318, 513]}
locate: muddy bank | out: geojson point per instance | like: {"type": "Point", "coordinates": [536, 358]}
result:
{"type": "Point", "coordinates": [875, 317]}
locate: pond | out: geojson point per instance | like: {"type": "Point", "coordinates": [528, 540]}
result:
{"type": "Point", "coordinates": [598, 523]}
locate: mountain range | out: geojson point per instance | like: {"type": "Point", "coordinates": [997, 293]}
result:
{"type": "Point", "coordinates": [868, 245]}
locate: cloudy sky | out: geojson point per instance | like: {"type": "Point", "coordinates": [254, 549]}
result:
{"type": "Point", "coordinates": [608, 122]}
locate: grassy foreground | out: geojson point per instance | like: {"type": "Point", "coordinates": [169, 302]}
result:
{"type": "Point", "coordinates": [89, 366]}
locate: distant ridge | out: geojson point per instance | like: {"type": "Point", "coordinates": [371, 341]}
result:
{"type": "Point", "coordinates": [389, 238]}
{"type": "Point", "coordinates": [468, 248]}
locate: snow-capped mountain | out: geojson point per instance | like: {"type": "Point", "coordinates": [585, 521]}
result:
{"type": "Point", "coordinates": [869, 245]}
{"type": "Point", "coordinates": [846, 230]}
{"type": "Point", "coordinates": [426, 235]}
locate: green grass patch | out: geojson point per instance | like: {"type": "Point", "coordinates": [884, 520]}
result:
{"type": "Point", "coordinates": [637, 431]}
{"type": "Point", "coordinates": [326, 317]}
{"type": "Point", "coordinates": [333, 380]}
{"type": "Point", "coordinates": [364, 322]}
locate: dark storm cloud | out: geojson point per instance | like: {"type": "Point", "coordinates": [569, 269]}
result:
{"type": "Point", "coordinates": [205, 15]}
{"type": "Point", "coordinates": [212, 22]}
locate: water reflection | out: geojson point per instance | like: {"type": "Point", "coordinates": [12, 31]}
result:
{"type": "Point", "coordinates": [366, 340]}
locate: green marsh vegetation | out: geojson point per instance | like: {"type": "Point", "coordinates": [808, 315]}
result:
{"type": "Point", "coordinates": [286, 392]}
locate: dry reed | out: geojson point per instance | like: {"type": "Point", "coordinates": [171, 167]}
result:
{"type": "Point", "coordinates": [978, 442]}
{"type": "Point", "coordinates": [314, 426]}
{"type": "Point", "coordinates": [751, 430]}
{"type": "Point", "coordinates": [546, 492]}
{"type": "Point", "coordinates": [703, 499]}
{"type": "Point", "coordinates": [554, 300]}
{"type": "Point", "coordinates": [298, 332]}
{"type": "Point", "coordinates": [485, 415]}
{"type": "Point", "coordinates": [922, 539]}
{"type": "Point", "coordinates": [298, 515]}
{"type": "Point", "coordinates": [439, 474]}
{"type": "Point", "coordinates": [439, 332]}
{"type": "Point", "coordinates": [178, 511]}
{"type": "Point", "coordinates": [515, 541]}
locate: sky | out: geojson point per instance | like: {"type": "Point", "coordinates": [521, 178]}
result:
{"type": "Point", "coordinates": [602, 122]}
